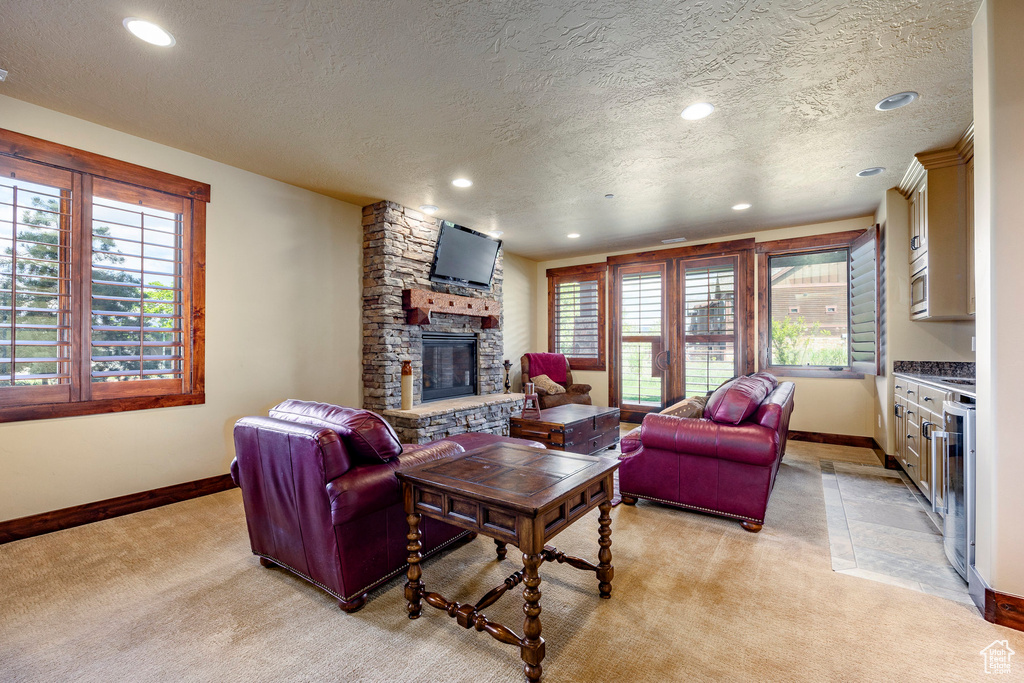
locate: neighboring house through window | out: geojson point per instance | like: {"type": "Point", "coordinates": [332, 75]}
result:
{"type": "Point", "coordinates": [833, 332]}
{"type": "Point", "coordinates": [101, 283]}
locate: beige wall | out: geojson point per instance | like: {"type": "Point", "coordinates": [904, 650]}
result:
{"type": "Point", "coordinates": [906, 339]}
{"type": "Point", "coordinates": [999, 243]}
{"type": "Point", "coordinates": [519, 295]}
{"type": "Point", "coordinates": [282, 314]}
{"type": "Point", "coordinates": [832, 406]}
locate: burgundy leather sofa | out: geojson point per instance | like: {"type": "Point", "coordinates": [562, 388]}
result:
{"type": "Point", "coordinates": [321, 496]}
{"type": "Point", "coordinates": [724, 463]}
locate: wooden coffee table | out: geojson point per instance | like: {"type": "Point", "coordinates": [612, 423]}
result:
{"type": "Point", "coordinates": [513, 494]}
{"type": "Point", "coordinates": [571, 427]}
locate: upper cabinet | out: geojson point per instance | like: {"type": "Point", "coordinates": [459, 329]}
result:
{"type": "Point", "coordinates": [939, 187]}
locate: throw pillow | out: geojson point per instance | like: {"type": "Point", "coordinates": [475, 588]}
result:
{"type": "Point", "coordinates": [547, 384]}
{"type": "Point", "coordinates": [734, 402]}
{"type": "Point", "coordinates": [692, 407]}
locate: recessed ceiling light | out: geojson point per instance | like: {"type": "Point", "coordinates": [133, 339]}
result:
{"type": "Point", "coordinates": [148, 31]}
{"type": "Point", "coordinates": [900, 99]}
{"type": "Point", "coordinates": [697, 110]}
{"type": "Point", "coordinates": [573, 235]}
{"type": "Point", "coordinates": [674, 240]}
{"type": "Point", "coordinates": [495, 233]}
{"type": "Point", "coordinates": [740, 207]}
{"type": "Point", "coordinates": [868, 172]}
{"type": "Point", "coordinates": [609, 196]}
{"type": "Point", "coordinates": [428, 209]}
{"type": "Point", "coordinates": [462, 182]}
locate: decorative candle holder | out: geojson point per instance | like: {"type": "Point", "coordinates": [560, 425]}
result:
{"type": "Point", "coordinates": [508, 380]}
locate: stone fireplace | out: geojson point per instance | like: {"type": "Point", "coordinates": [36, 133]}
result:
{"type": "Point", "coordinates": [398, 247]}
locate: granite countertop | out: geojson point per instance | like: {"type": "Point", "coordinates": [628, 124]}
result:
{"type": "Point", "coordinates": [961, 385]}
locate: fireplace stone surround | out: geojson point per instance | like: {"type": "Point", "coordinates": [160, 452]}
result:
{"type": "Point", "coordinates": [398, 248]}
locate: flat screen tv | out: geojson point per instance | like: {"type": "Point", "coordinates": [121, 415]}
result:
{"type": "Point", "coordinates": [464, 257]}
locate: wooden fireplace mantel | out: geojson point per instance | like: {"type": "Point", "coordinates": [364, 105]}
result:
{"type": "Point", "coordinates": [419, 303]}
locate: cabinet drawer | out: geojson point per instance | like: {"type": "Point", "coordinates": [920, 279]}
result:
{"type": "Point", "coordinates": [534, 432]}
{"type": "Point", "coordinates": [902, 386]}
{"type": "Point", "coordinates": [930, 398]}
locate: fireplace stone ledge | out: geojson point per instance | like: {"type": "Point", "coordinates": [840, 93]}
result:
{"type": "Point", "coordinates": [428, 422]}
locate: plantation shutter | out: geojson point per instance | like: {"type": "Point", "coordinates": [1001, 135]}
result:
{"type": "Point", "coordinates": [642, 357]}
{"type": "Point", "coordinates": [137, 327]}
{"type": "Point", "coordinates": [709, 333]}
{"type": "Point", "coordinates": [864, 300]}
{"type": "Point", "coordinates": [576, 309]}
{"type": "Point", "coordinates": [35, 280]}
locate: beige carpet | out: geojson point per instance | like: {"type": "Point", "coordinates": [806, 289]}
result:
{"type": "Point", "coordinates": [174, 594]}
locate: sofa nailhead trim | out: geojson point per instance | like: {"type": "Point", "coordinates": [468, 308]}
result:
{"type": "Point", "coordinates": [690, 507]}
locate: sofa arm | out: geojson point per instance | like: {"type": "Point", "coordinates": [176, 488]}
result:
{"type": "Point", "coordinates": [368, 488]}
{"type": "Point", "coordinates": [630, 444]}
{"type": "Point", "coordinates": [747, 442]}
{"type": "Point", "coordinates": [578, 389]}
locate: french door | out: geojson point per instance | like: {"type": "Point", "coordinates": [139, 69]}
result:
{"type": "Point", "coordinates": [681, 326]}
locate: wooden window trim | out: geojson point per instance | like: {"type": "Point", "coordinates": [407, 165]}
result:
{"type": "Point", "coordinates": [585, 273]}
{"type": "Point", "coordinates": [796, 245]}
{"type": "Point", "coordinates": [84, 167]}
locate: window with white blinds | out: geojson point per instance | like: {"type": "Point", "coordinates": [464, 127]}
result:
{"type": "Point", "coordinates": [137, 285]}
{"type": "Point", "coordinates": [576, 308]}
{"type": "Point", "coordinates": [101, 283]}
{"type": "Point", "coordinates": [642, 353]}
{"type": "Point", "coordinates": [710, 326]}
{"type": "Point", "coordinates": [35, 282]}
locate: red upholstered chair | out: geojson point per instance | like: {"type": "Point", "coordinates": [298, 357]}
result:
{"type": "Point", "coordinates": [553, 363]}
{"type": "Point", "coordinates": [724, 463]}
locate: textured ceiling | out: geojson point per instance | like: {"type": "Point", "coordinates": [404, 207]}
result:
{"type": "Point", "coordinates": [547, 106]}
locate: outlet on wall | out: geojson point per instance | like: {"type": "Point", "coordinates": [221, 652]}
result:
{"type": "Point", "coordinates": [879, 420]}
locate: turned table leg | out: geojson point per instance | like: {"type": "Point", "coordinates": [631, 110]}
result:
{"type": "Point", "coordinates": [414, 587]}
{"type": "Point", "coordinates": [532, 648]}
{"type": "Point", "coordinates": [501, 549]}
{"type": "Point", "coordinates": [605, 570]}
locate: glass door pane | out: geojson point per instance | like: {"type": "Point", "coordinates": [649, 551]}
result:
{"type": "Point", "coordinates": [642, 350]}
{"type": "Point", "coordinates": [710, 328]}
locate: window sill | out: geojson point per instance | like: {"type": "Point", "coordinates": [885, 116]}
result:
{"type": "Point", "coordinates": [586, 364]}
{"type": "Point", "coordinates": [821, 373]}
{"type": "Point", "coordinates": [51, 410]}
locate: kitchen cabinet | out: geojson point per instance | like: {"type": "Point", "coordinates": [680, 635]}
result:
{"type": "Point", "coordinates": [939, 188]}
{"type": "Point", "coordinates": [918, 411]}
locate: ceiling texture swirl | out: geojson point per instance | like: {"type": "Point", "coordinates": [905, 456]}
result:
{"type": "Point", "coordinates": [546, 106]}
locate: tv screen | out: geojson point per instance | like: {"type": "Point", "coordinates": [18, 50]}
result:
{"type": "Point", "coordinates": [464, 257]}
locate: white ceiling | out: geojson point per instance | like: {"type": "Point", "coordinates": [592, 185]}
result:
{"type": "Point", "coordinates": [546, 106]}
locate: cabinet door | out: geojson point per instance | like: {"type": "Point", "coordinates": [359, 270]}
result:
{"type": "Point", "coordinates": [970, 235]}
{"type": "Point", "coordinates": [919, 221]}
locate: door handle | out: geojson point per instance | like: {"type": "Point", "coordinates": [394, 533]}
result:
{"type": "Point", "coordinates": [663, 360]}
{"type": "Point", "coordinates": [915, 243]}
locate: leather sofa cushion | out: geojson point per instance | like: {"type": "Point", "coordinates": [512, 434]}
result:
{"type": "Point", "coordinates": [630, 444]}
{"type": "Point", "coordinates": [367, 436]}
{"type": "Point", "coordinates": [734, 402]}
{"type": "Point", "coordinates": [769, 379]}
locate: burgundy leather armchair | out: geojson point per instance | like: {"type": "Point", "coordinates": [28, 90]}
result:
{"type": "Point", "coordinates": [724, 463]}
{"type": "Point", "coordinates": [322, 500]}
{"type": "Point", "coordinates": [574, 393]}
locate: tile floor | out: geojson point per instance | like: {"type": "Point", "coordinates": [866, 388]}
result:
{"type": "Point", "coordinates": [881, 528]}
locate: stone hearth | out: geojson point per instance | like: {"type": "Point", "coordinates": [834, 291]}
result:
{"type": "Point", "coordinates": [398, 248]}
{"type": "Point", "coordinates": [438, 419]}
